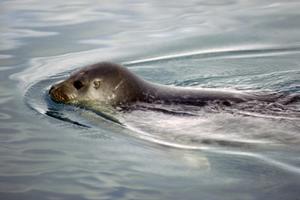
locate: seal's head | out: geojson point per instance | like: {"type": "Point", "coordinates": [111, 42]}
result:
{"type": "Point", "coordinates": [104, 83]}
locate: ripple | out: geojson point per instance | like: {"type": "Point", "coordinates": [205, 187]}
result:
{"type": "Point", "coordinates": [197, 134]}
{"type": "Point", "coordinates": [41, 194]}
{"type": "Point", "coordinates": [224, 53]}
{"type": "Point", "coordinates": [8, 131]}
{"type": "Point", "coordinates": [5, 56]}
{"type": "Point", "coordinates": [12, 38]}
{"type": "Point", "coordinates": [52, 14]}
{"type": "Point", "coordinates": [5, 116]}
{"type": "Point", "coordinates": [268, 160]}
{"type": "Point", "coordinates": [43, 152]}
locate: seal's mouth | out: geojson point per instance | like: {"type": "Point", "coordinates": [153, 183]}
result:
{"type": "Point", "coordinates": [61, 94]}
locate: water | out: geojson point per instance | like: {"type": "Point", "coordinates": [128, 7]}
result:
{"type": "Point", "coordinates": [51, 151]}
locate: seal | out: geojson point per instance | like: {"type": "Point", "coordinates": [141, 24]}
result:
{"type": "Point", "coordinates": [111, 84]}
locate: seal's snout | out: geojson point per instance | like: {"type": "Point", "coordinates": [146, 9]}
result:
{"type": "Point", "coordinates": [60, 93]}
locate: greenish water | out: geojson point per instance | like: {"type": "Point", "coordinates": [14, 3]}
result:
{"type": "Point", "coordinates": [51, 151]}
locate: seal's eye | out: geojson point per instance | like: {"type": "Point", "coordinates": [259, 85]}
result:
{"type": "Point", "coordinates": [78, 84]}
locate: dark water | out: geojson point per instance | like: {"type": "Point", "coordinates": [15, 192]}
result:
{"type": "Point", "coordinates": [51, 151]}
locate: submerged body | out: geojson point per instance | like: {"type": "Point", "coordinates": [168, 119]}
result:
{"type": "Point", "coordinates": [111, 84]}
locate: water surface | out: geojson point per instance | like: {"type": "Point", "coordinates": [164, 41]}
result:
{"type": "Point", "coordinates": [52, 151]}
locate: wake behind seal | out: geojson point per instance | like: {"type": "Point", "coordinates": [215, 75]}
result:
{"type": "Point", "coordinates": [111, 84]}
